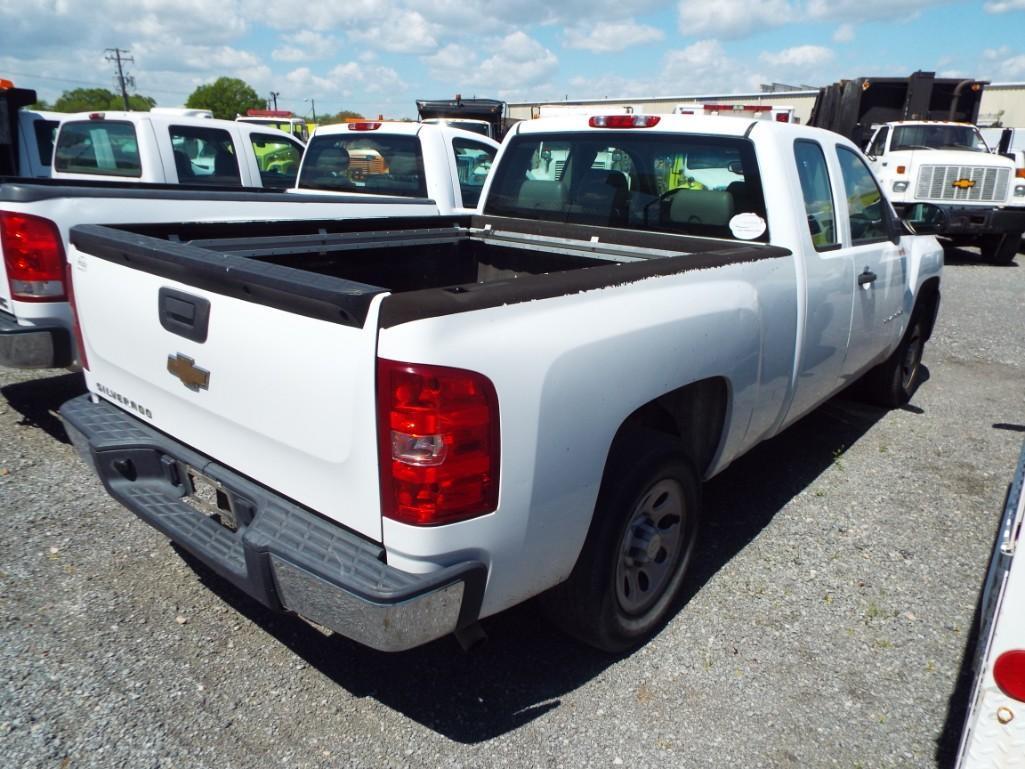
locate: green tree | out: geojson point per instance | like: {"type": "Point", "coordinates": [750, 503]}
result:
{"type": "Point", "coordinates": [90, 99]}
{"type": "Point", "coordinates": [226, 97]}
{"type": "Point", "coordinates": [339, 117]}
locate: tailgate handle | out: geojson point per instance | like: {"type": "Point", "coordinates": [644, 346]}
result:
{"type": "Point", "coordinates": [184, 314]}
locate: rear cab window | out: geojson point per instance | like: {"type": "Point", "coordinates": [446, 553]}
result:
{"type": "Point", "coordinates": [101, 147]}
{"type": "Point", "coordinates": [473, 162]}
{"type": "Point", "coordinates": [204, 155]}
{"type": "Point", "coordinates": [355, 162]}
{"type": "Point", "coordinates": [688, 184]}
{"type": "Point", "coordinates": [816, 190]}
{"type": "Point", "coordinates": [277, 158]}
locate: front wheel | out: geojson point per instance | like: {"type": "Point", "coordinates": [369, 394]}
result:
{"type": "Point", "coordinates": [894, 381]}
{"type": "Point", "coordinates": [1000, 249]}
{"type": "Point", "coordinates": [637, 550]}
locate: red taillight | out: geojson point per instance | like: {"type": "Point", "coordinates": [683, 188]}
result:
{"type": "Point", "coordinates": [76, 327]}
{"type": "Point", "coordinates": [97, 115]}
{"type": "Point", "coordinates": [782, 117]}
{"type": "Point", "coordinates": [1009, 673]}
{"type": "Point", "coordinates": [364, 126]}
{"type": "Point", "coordinates": [623, 121]}
{"type": "Point", "coordinates": [439, 442]}
{"type": "Point", "coordinates": [33, 256]}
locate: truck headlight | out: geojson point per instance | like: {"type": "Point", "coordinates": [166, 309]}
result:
{"type": "Point", "coordinates": [1019, 191]}
{"type": "Point", "coordinates": [900, 186]}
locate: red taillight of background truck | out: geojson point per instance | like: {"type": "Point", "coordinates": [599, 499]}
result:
{"type": "Point", "coordinates": [1009, 673]}
{"type": "Point", "coordinates": [438, 434]}
{"type": "Point", "coordinates": [33, 256]}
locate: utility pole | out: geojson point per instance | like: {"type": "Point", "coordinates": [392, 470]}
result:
{"type": "Point", "coordinates": [123, 80]}
{"type": "Point", "coordinates": [274, 97]}
{"type": "Point", "coordinates": [313, 108]}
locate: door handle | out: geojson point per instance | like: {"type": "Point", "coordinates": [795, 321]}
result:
{"type": "Point", "coordinates": [867, 277]}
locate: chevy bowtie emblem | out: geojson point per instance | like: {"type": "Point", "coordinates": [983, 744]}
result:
{"type": "Point", "coordinates": [191, 375]}
{"type": "Point", "coordinates": [963, 184]}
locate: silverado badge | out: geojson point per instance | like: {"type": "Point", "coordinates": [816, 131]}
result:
{"type": "Point", "coordinates": [963, 184]}
{"type": "Point", "coordinates": [191, 375]}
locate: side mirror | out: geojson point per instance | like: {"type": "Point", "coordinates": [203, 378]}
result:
{"type": "Point", "coordinates": [735, 167]}
{"type": "Point", "coordinates": [925, 219]}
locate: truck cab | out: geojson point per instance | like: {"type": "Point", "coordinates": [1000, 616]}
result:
{"type": "Point", "coordinates": [413, 160]}
{"type": "Point", "coordinates": [26, 135]}
{"type": "Point", "coordinates": [170, 148]}
{"type": "Point", "coordinates": [949, 165]}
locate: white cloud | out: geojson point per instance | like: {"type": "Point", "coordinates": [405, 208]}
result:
{"type": "Point", "coordinates": [798, 56]}
{"type": "Point", "coordinates": [516, 61]}
{"type": "Point", "coordinates": [610, 36]}
{"type": "Point", "coordinates": [399, 32]}
{"type": "Point", "coordinates": [1003, 6]}
{"type": "Point", "coordinates": [864, 10]}
{"type": "Point", "coordinates": [844, 33]}
{"type": "Point", "coordinates": [731, 18]}
{"type": "Point", "coordinates": [305, 45]}
{"type": "Point", "coordinates": [704, 67]}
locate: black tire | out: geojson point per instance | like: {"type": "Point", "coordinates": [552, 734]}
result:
{"type": "Point", "coordinates": [892, 383]}
{"type": "Point", "coordinates": [1000, 249]}
{"type": "Point", "coordinates": [637, 550]}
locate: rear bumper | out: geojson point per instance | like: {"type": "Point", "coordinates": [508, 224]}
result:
{"type": "Point", "coordinates": [975, 220]}
{"type": "Point", "coordinates": [33, 346]}
{"type": "Point", "coordinates": [284, 556]}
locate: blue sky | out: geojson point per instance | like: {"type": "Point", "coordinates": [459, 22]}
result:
{"type": "Point", "coordinates": [378, 56]}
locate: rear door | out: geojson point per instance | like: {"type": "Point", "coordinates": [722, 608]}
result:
{"type": "Point", "coordinates": [880, 264]}
{"type": "Point", "coordinates": [260, 367]}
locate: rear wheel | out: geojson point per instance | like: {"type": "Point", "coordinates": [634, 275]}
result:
{"type": "Point", "coordinates": [1000, 249]}
{"type": "Point", "coordinates": [637, 550]}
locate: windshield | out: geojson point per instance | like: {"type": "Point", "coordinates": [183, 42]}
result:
{"type": "Point", "coordinates": [356, 162]}
{"type": "Point", "coordinates": [689, 184]}
{"type": "Point", "coordinates": [937, 137]}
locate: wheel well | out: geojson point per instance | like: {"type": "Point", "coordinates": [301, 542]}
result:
{"type": "Point", "coordinates": [928, 303]}
{"type": "Point", "coordinates": [695, 414]}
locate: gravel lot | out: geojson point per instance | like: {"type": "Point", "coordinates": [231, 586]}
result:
{"type": "Point", "coordinates": [831, 608]}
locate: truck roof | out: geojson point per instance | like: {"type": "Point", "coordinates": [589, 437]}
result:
{"type": "Point", "coordinates": [401, 127]}
{"type": "Point", "coordinates": [716, 125]}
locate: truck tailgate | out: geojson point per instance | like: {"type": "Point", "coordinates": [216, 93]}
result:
{"type": "Point", "coordinates": [263, 368]}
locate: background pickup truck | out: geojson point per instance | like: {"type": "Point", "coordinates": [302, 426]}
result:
{"type": "Point", "coordinates": [26, 135]}
{"type": "Point", "coordinates": [374, 157]}
{"type": "Point", "coordinates": [36, 216]}
{"type": "Point", "coordinates": [173, 146]}
{"type": "Point", "coordinates": [394, 428]}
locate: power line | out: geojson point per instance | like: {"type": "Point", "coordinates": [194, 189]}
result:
{"type": "Point", "coordinates": [123, 80]}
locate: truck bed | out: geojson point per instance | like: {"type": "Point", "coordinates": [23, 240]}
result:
{"type": "Point", "coordinates": [428, 266]}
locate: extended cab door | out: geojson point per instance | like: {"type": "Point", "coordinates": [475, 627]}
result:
{"type": "Point", "coordinates": [471, 162]}
{"type": "Point", "coordinates": [829, 277]}
{"type": "Point", "coordinates": [869, 229]}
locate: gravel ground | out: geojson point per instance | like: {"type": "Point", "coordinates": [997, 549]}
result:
{"type": "Point", "coordinates": [831, 608]}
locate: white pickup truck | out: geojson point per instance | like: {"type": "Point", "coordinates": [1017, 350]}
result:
{"type": "Point", "coordinates": [364, 169]}
{"type": "Point", "coordinates": [415, 160]}
{"type": "Point", "coordinates": [396, 428]}
{"type": "Point", "coordinates": [26, 135]}
{"type": "Point", "coordinates": [174, 146]}
{"type": "Point", "coordinates": [949, 165]}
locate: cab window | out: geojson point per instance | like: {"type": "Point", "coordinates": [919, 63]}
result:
{"type": "Point", "coordinates": [102, 147]}
{"type": "Point", "coordinates": [278, 159]}
{"type": "Point", "coordinates": [473, 162]}
{"type": "Point", "coordinates": [865, 204]}
{"type": "Point", "coordinates": [374, 164]}
{"type": "Point", "coordinates": [205, 156]}
{"type": "Point", "coordinates": [878, 145]}
{"type": "Point", "coordinates": [818, 200]}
